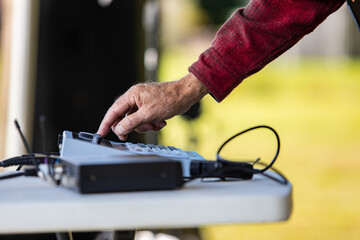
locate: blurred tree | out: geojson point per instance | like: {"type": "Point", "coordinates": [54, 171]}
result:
{"type": "Point", "coordinates": [219, 10]}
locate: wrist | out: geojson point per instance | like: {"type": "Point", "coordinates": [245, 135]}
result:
{"type": "Point", "coordinates": [192, 87]}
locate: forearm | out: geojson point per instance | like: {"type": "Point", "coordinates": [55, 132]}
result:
{"type": "Point", "coordinates": [254, 36]}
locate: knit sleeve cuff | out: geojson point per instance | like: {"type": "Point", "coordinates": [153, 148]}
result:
{"type": "Point", "coordinates": [217, 79]}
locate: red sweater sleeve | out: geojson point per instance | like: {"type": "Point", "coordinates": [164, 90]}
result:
{"type": "Point", "coordinates": [254, 36]}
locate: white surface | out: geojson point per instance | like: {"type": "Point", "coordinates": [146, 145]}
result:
{"type": "Point", "coordinates": [28, 205]}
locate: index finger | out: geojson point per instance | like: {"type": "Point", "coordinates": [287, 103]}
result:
{"type": "Point", "coordinates": [115, 113]}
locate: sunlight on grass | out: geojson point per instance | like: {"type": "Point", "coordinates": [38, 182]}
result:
{"type": "Point", "coordinates": [314, 105]}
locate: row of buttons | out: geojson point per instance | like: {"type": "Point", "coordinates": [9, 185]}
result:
{"type": "Point", "coordinates": [151, 148]}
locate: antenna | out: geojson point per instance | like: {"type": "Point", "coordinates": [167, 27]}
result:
{"type": "Point", "coordinates": [26, 146]}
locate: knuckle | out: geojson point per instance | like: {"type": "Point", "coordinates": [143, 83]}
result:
{"type": "Point", "coordinates": [135, 88]}
{"type": "Point", "coordinates": [113, 111]}
{"type": "Point", "coordinates": [130, 122]}
{"type": "Point", "coordinates": [146, 115]}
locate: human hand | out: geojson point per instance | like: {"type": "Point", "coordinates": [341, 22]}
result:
{"type": "Point", "coordinates": [145, 107]}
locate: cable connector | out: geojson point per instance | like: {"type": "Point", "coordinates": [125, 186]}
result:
{"type": "Point", "coordinates": [31, 172]}
{"type": "Point", "coordinates": [221, 169]}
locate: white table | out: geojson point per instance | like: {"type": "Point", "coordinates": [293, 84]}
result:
{"type": "Point", "coordinates": [29, 205]}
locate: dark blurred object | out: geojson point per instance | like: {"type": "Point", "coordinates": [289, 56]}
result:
{"type": "Point", "coordinates": [89, 52]}
{"type": "Point", "coordinates": [353, 35]}
{"type": "Point", "coordinates": [193, 113]}
{"type": "Point", "coordinates": [354, 8]}
{"type": "Point", "coordinates": [219, 10]}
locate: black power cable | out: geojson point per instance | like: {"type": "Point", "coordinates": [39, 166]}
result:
{"type": "Point", "coordinates": [225, 169]}
{"type": "Point", "coordinates": [27, 172]}
{"type": "Point", "coordinates": [28, 160]}
{"type": "Point", "coordinates": [219, 158]}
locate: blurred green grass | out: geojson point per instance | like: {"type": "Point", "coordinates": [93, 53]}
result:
{"type": "Point", "coordinates": [314, 105]}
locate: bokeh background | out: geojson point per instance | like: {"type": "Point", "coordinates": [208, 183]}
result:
{"type": "Point", "coordinates": [310, 95]}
